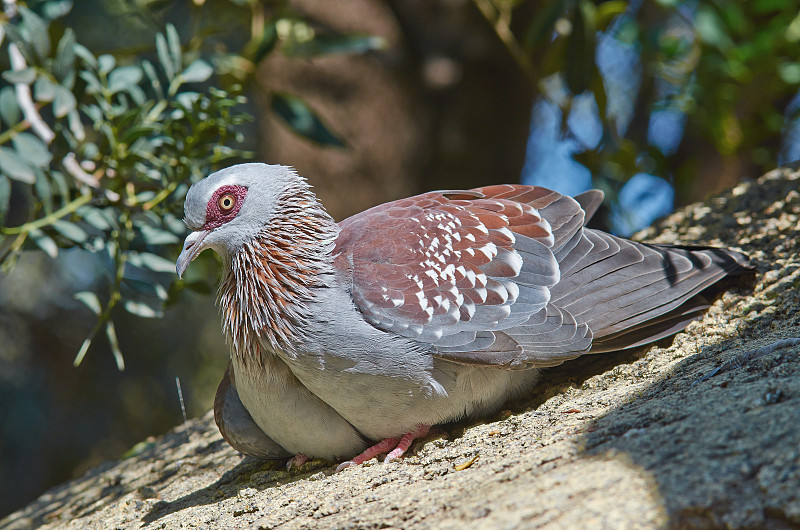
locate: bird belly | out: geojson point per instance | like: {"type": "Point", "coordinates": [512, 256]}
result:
{"type": "Point", "coordinates": [390, 406]}
{"type": "Point", "coordinates": [291, 415]}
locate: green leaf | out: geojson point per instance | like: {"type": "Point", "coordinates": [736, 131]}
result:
{"type": "Point", "coordinates": [711, 29]}
{"type": "Point", "coordinates": [330, 44]}
{"type": "Point", "coordinates": [152, 76]}
{"type": "Point", "coordinates": [93, 85]}
{"type": "Point", "coordinates": [789, 73]}
{"type": "Point", "coordinates": [64, 65]}
{"type": "Point", "coordinates": [84, 53]}
{"type": "Point", "coordinates": [111, 334]}
{"type": "Point", "coordinates": [137, 95]}
{"type": "Point", "coordinates": [146, 287]}
{"type": "Point", "coordinates": [23, 43]}
{"type": "Point", "coordinates": [5, 198]}
{"type": "Point", "coordinates": [302, 120]}
{"type": "Point", "coordinates": [90, 300]}
{"type": "Point", "coordinates": [141, 309]}
{"type": "Point", "coordinates": [44, 242]}
{"type": "Point", "coordinates": [42, 187]}
{"type": "Point", "coordinates": [9, 109]}
{"type": "Point", "coordinates": [106, 63]}
{"type": "Point", "coordinates": [197, 72]}
{"type": "Point", "coordinates": [156, 236]}
{"type": "Point", "coordinates": [540, 28]}
{"type": "Point", "coordinates": [44, 89]}
{"type": "Point", "coordinates": [15, 167]}
{"type": "Point", "coordinates": [173, 224]}
{"type": "Point", "coordinates": [151, 262]}
{"type": "Point", "coordinates": [95, 218]}
{"type": "Point", "coordinates": [37, 31]}
{"type": "Point", "coordinates": [62, 188]}
{"type": "Point", "coordinates": [137, 131]}
{"type": "Point", "coordinates": [70, 230]}
{"type": "Point", "coordinates": [32, 149]}
{"type": "Point", "coordinates": [187, 99]}
{"type": "Point", "coordinates": [123, 78]}
{"type": "Point", "coordinates": [82, 352]}
{"type": "Point", "coordinates": [163, 57]}
{"type": "Point", "coordinates": [174, 43]}
{"type": "Point", "coordinates": [53, 9]}
{"type": "Point", "coordinates": [94, 113]}
{"type": "Point", "coordinates": [26, 76]}
{"type": "Point", "coordinates": [64, 102]}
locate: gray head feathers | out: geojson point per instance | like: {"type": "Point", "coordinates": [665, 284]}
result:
{"type": "Point", "coordinates": [265, 186]}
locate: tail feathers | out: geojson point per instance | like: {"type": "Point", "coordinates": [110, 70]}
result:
{"type": "Point", "coordinates": [655, 329]}
{"type": "Point", "coordinates": [641, 293]}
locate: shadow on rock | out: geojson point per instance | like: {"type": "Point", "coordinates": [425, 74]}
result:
{"type": "Point", "coordinates": [249, 473]}
{"type": "Point", "coordinates": [724, 452]}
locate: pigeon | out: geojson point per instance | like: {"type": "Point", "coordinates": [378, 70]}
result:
{"type": "Point", "coordinates": [349, 340]}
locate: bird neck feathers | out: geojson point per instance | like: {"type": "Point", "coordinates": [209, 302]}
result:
{"type": "Point", "coordinates": [272, 279]}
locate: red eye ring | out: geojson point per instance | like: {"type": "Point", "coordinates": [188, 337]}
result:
{"type": "Point", "coordinates": [226, 202]}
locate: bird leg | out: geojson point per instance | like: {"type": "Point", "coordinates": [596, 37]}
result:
{"type": "Point", "coordinates": [406, 441]}
{"type": "Point", "coordinates": [396, 447]}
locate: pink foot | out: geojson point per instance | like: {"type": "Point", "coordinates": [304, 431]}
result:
{"type": "Point", "coordinates": [396, 447]}
{"type": "Point", "coordinates": [406, 441]}
{"type": "Point", "coordinates": [296, 461]}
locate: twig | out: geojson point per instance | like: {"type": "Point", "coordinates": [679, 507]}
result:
{"type": "Point", "coordinates": [25, 99]}
{"type": "Point", "coordinates": [501, 26]}
{"type": "Point", "coordinates": [49, 219]}
{"type": "Point", "coordinates": [183, 408]}
{"type": "Point", "coordinates": [72, 166]}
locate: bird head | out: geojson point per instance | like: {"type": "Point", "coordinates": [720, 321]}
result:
{"type": "Point", "coordinates": [231, 207]}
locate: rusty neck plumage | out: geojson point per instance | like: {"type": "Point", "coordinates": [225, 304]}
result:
{"type": "Point", "coordinates": [271, 280]}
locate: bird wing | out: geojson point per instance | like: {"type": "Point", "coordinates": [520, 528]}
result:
{"type": "Point", "coordinates": [469, 272]}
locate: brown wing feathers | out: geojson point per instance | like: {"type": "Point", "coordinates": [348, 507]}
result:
{"type": "Point", "coordinates": [508, 276]}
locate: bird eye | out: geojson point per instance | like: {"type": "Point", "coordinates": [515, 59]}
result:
{"type": "Point", "coordinates": [226, 202]}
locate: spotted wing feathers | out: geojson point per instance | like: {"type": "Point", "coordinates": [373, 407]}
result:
{"type": "Point", "coordinates": [469, 272]}
{"type": "Point", "coordinates": [509, 276]}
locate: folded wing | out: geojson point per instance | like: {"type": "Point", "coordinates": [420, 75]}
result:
{"type": "Point", "coordinates": [509, 276]}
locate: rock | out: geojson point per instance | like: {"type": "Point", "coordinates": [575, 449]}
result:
{"type": "Point", "coordinates": [615, 440]}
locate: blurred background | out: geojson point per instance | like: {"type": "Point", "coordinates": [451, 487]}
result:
{"type": "Point", "coordinates": [109, 109]}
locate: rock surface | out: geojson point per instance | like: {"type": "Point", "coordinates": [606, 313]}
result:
{"type": "Point", "coordinates": [609, 441]}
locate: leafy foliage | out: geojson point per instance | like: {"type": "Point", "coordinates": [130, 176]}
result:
{"type": "Point", "coordinates": [729, 71]}
{"type": "Point", "coordinates": [98, 151]}
{"type": "Point", "coordinates": [101, 155]}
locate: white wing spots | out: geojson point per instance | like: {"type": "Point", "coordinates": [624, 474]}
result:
{"type": "Point", "coordinates": [506, 234]}
{"type": "Point", "coordinates": [489, 250]}
{"type": "Point", "coordinates": [454, 270]}
{"type": "Point", "coordinates": [432, 274]}
{"type": "Point", "coordinates": [423, 300]}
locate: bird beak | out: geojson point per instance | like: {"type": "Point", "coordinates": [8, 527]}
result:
{"type": "Point", "coordinates": [192, 246]}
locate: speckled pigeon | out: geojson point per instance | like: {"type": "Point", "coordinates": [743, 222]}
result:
{"type": "Point", "coordinates": [354, 338]}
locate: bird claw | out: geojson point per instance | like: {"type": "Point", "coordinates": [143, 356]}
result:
{"type": "Point", "coordinates": [296, 461]}
{"type": "Point", "coordinates": [345, 465]}
{"type": "Point", "coordinates": [395, 447]}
